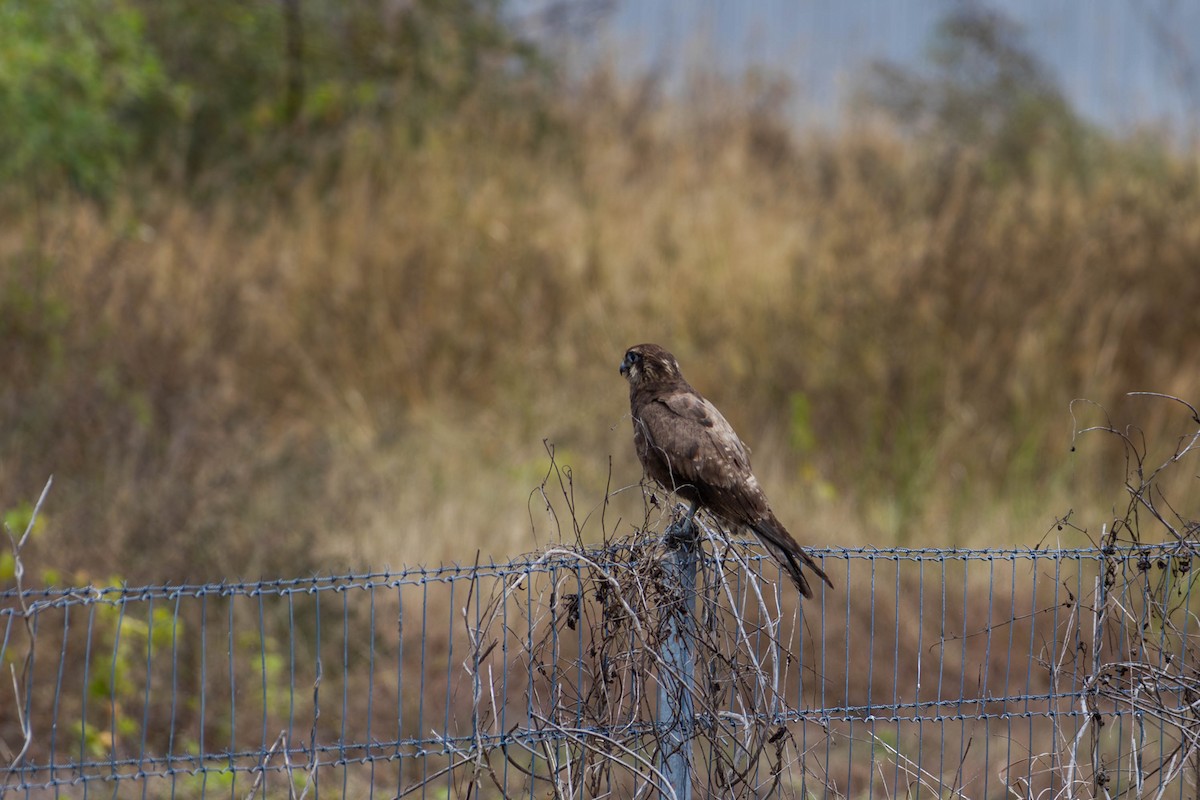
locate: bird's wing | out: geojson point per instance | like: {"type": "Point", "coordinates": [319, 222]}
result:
{"type": "Point", "coordinates": [696, 439]}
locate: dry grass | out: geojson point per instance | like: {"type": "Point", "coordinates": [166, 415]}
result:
{"type": "Point", "coordinates": [363, 371]}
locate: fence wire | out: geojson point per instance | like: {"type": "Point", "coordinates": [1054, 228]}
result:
{"type": "Point", "coordinates": [926, 672]}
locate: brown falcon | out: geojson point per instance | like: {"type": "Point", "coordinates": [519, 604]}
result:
{"type": "Point", "coordinates": [686, 446]}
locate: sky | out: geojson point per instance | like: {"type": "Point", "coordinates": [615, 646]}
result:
{"type": "Point", "coordinates": [1122, 63]}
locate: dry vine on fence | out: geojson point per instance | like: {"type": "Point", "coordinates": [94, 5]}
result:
{"type": "Point", "coordinates": [600, 634]}
{"type": "Point", "coordinates": [1138, 634]}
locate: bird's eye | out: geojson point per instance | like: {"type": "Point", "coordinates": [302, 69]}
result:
{"type": "Point", "coordinates": [635, 357]}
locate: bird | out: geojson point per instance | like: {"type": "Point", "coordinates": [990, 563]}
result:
{"type": "Point", "coordinates": [687, 447]}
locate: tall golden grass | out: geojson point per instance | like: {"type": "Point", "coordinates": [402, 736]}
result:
{"type": "Point", "coordinates": [362, 370]}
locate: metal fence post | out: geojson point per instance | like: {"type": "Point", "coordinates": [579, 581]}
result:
{"type": "Point", "coordinates": [677, 650]}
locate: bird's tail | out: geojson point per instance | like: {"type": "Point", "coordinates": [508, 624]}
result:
{"type": "Point", "coordinates": [788, 553]}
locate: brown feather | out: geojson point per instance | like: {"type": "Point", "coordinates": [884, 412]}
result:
{"type": "Point", "coordinates": [688, 447]}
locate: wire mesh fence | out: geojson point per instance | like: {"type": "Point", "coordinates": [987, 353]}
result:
{"type": "Point", "coordinates": [671, 662]}
{"type": "Point", "coordinates": [975, 673]}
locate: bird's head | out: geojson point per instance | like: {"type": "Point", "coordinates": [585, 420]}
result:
{"type": "Point", "coordinates": [649, 363]}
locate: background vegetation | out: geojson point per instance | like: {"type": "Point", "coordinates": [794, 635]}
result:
{"type": "Point", "coordinates": [294, 287]}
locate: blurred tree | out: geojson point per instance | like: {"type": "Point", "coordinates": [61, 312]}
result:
{"type": "Point", "coordinates": [226, 60]}
{"type": "Point", "coordinates": [987, 91]}
{"type": "Point", "coordinates": [259, 77]}
{"type": "Point", "coordinates": [89, 88]}
{"type": "Point", "coordinates": [70, 76]}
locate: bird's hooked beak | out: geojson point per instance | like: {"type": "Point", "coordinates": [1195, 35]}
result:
{"type": "Point", "coordinates": [626, 364]}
